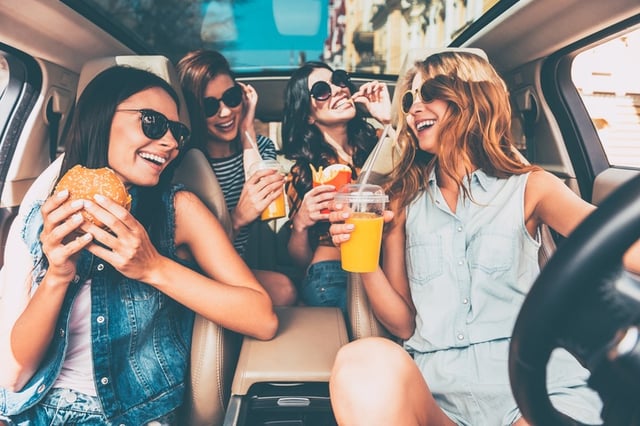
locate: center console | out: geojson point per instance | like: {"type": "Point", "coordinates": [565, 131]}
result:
{"type": "Point", "coordinates": [284, 381]}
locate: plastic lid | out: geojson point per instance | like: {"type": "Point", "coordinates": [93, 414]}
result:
{"type": "Point", "coordinates": [361, 193]}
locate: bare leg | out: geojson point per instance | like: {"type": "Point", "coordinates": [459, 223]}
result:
{"type": "Point", "coordinates": [375, 382]}
{"type": "Point", "coordinates": [279, 287]}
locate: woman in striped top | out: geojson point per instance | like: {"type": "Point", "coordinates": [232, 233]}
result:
{"type": "Point", "coordinates": [222, 113]}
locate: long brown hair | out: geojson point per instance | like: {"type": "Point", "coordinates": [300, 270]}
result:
{"type": "Point", "coordinates": [474, 133]}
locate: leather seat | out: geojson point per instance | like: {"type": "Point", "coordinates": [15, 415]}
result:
{"type": "Point", "coordinates": [214, 350]}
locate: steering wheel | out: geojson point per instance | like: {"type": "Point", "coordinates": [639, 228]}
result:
{"type": "Point", "coordinates": [585, 302]}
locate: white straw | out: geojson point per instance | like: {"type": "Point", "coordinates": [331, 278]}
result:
{"type": "Point", "coordinates": [253, 143]}
{"type": "Point", "coordinates": [374, 155]}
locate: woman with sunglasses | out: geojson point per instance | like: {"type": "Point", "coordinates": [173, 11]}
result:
{"type": "Point", "coordinates": [322, 126]}
{"type": "Point", "coordinates": [96, 322]}
{"type": "Point", "coordinates": [460, 254]}
{"type": "Point", "coordinates": [222, 114]}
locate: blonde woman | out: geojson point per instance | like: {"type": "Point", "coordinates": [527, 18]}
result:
{"type": "Point", "coordinates": [459, 257]}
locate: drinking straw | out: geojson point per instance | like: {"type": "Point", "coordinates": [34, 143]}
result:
{"type": "Point", "coordinates": [253, 143]}
{"type": "Point", "coordinates": [374, 155]}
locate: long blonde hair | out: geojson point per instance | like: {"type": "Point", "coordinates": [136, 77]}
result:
{"type": "Point", "coordinates": [474, 133]}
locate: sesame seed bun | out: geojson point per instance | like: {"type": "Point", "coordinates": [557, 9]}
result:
{"type": "Point", "coordinates": [83, 183]}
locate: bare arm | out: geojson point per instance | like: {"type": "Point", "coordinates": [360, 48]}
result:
{"type": "Point", "coordinates": [387, 287]}
{"type": "Point", "coordinates": [548, 200]}
{"type": "Point", "coordinates": [27, 320]}
{"type": "Point", "coordinates": [308, 215]}
{"type": "Point", "coordinates": [228, 294]}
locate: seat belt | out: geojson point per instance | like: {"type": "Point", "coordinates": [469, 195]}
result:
{"type": "Point", "coordinates": [53, 118]}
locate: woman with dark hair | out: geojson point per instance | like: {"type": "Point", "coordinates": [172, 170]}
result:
{"type": "Point", "coordinates": [321, 127]}
{"type": "Point", "coordinates": [96, 322]}
{"type": "Point", "coordinates": [222, 114]}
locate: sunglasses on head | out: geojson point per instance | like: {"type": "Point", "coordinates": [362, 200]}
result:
{"type": "Point", "coordinates": [232, 97]}
{"type": "Point", "coordinates": [429, 91]}
{"type": "Point", "coordinates": [155, 126]}
{"type": "Point", "coordinates": [321, 90]}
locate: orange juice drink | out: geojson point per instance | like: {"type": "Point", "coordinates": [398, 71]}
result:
{"type": "Point", "coordinates": [361, 252]}
{"type": "Point", "coordinates": [275, 210]}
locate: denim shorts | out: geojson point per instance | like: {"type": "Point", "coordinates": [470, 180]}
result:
{"type": "Point", "coordinates": [68, 407]}
{"type": "Point", "coordinates": [325, 285]}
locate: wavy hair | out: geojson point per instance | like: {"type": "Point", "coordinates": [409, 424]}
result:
{"type": "Point", "coordinates": [475, 132]}
{"type": "Point", "coordinates": [195, 70]}
{"type": "Point", "coordinates": [304, 143]}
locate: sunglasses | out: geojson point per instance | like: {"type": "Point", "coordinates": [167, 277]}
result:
{"type": "Point", "coordinates": [232, 97]}
{"type": "Point", "coordinates": [321, 90]}
{"type": "Point", "coordinates": [155, 126]}
{"type": "Point", "coordinates": [429, 91]}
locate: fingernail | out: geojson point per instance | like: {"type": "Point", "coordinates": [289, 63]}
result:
{"type": "Point", "coordinates": [350, 226]}
{"type": "Point", "coordinates": [345, 215]}
{"type": "Point", "coordinates": [77, 203]}
{"type": "Point", "coordinates": [99, 198]}
{"type": "Point", "coordinates": [87, 237]}
{"type": "Point", "coordinates": [63, 193]}
{"type": "Point", "coordinates": [77, 218]}
{"type": "Point", "coordinates": [86, 203]}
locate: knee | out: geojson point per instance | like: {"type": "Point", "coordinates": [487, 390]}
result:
{"type": "Point", "coordinates": [364, 357]}
{"type": "Point", "coordinates": [284, 293]}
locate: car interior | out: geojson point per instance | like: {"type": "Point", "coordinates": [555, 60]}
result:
{"type": "Point", "coordinates": [50, 51]}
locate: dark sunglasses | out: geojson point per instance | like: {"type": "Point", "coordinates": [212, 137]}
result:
{"type": "Point", "coordinates": [232, 97]}
{"type": "Point", "coordinates": [429, 91]}
{"type": "Point", "coordinates": [321, 90]}
{"type": "Point", "coordinates": [155, 126]}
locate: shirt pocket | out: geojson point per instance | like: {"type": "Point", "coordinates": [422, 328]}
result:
{"type": "Point", "coordinates": [491, 252]}
{"type": "Point", "coordinates": [424, 259]}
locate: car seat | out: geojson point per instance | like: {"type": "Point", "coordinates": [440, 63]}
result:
{"type": "Point", "coordinates": [214, 350]}
{"type": "Point", "coordinates": [362, 322]}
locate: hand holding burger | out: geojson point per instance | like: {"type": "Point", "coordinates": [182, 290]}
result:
{"type": "Point", "coordinates": [83, 183]}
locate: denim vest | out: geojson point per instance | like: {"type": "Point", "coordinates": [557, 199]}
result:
{"type": "Point", "coordinates": [141, 338]}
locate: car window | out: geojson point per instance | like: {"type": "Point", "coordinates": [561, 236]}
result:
{"type": "Point", "coordinates": [368, 36]}
{"type": "Point", "coordinates": [605, 77]}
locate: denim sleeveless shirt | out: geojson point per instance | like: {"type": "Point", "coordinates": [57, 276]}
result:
{"type": "Point", "coordinates": [141, 338]}
{"type": "Point", "coordinates": [468, 271]}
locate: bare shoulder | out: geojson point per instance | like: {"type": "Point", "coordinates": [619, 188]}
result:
{"type": "Point", "coordinates": [541, 183]}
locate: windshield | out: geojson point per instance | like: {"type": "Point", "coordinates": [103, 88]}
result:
{"type": "Point", "coordinates": [356, 35]}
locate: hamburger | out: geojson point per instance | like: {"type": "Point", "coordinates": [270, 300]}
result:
{"type": "Point", "coordinates": [83, 183]}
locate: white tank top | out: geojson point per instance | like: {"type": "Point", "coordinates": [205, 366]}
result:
{"type": "Point", "coordinates": [77, 369]}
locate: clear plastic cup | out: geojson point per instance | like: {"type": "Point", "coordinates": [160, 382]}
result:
{"type": "Point", "coordinates": [277, 208]}
{"type": "Point", "coordinates": [361, 253]}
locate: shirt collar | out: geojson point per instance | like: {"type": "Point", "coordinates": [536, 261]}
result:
{"type": "Point", "coordinates": [478, 178]}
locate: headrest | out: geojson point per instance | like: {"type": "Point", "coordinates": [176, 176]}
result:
{"type": "Point", "coordinates": [156, 64]}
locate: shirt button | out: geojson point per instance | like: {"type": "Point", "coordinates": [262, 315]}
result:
{"type": "Point", "coordinates": [460, 336]}
{"type": "Point", "coordinates": [460, 262]}
{"type": "Point", "coordinates": [76, 279]}
{"type": "Point", "coordinates": [100, 319]}
{"type": "Point", "coordinates": [100, 267]}
{"type": "Point", "coordinates": [459, 228]}
{"type": "Point", "coordinates": [465, 301]}
{"type": "Point", "coordinates": [61, 331]}
{"type": "Point", "coordinates": [104, 380]}
{"type": "Point", "coordinates": [40, 388]}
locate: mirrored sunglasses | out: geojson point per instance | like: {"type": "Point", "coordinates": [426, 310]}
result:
{"type": "Point", "coordinates": [321, 90]}
{"type": "Point", "coordinates": [155, 125]}
{"type": "Point", "coordinates": [232, 97]}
